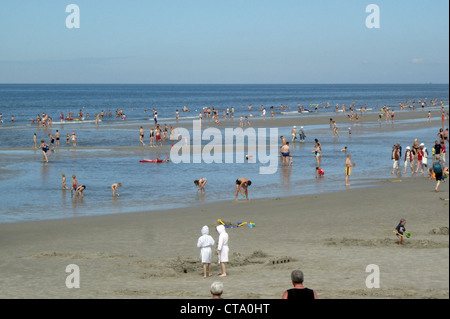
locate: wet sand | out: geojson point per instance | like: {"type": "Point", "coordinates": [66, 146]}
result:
{"type": "Point", "coordinates": [332, 237]}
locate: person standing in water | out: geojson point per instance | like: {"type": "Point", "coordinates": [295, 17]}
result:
{"type": "Point", "coordinates": [141, 135]}
{"type": "Point", "coordinates": [348, 168]}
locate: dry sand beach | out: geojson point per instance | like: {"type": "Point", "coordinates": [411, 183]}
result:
{"type": "Point", "coordinates": [331, 237]}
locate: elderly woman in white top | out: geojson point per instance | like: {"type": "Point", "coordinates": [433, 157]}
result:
{"type": "Point", "coordinates": [205, 242]}
{"type": "Point", "coordinates": [222, 249]}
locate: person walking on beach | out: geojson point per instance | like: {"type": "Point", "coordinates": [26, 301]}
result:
{"type": "Point", "coordinates": [420, 159]}
{"type": "Point", "coordinates": [395, 159]}
{"type": "Point", "coordinates": [205, 243]}
{"type": "Point", "coordinates": [114, 188]}
{"type": "Point", "coordinates": [438, 173]}
{"type": "Point", "coordinates": [222, 249]}
{"type": "Point", "coordinates": [348, 168]}
{"type": "Point", "coordinates": [299, 291]}
{"type": "Point", "coordinates": [242, 185]}
{"type": "Point", "coordinates": [200, 183]}
{"type": "Point", "coordinates": [409, 160]}
{"type": "Point", "coordinates": [44, 147]}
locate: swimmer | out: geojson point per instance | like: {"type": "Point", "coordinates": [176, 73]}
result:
{"type": "Point", "coordinates": [200, 183]}
{"type": "Point", "coordinates": [114, 188]}
{"type": "Point", "coordinates": [344, 149]}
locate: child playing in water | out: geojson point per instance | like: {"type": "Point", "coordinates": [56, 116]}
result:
{"type": "Point", "coordinates": [74, 184]}
{"type": "Point", "coordinates": [64, 181]}
{"type": "Point", "coordinates": [114, 188]}
{"type": "Point", "coordinates": [200, 183]}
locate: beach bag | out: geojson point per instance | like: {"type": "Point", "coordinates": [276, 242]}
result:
{"type": "Point", "coordinates": [437, 168]}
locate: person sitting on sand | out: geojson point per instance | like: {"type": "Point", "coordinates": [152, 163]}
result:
{"type": "Point", "coordinates": [241, 186]}
{"type": "Point", "coordinates": [222, 249]}
{"type": "Point", "coordinates": [205, 242]}
{"type": "Point", "coordinates": [114, 188]}
{"type": "Point", "coordinates": [200, 183]}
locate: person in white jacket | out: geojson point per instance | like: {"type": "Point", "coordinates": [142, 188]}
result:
{"type": "Point", "coordinates": [205, 242]}
{"type": "Point", "coordinates": [222, 249]}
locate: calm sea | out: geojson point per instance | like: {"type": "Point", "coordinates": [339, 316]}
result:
{"type": "Point", "coordinates": [31, 189]}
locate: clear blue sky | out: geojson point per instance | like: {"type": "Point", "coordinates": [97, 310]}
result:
{"type": "Point", "coordinates": [216, 41]}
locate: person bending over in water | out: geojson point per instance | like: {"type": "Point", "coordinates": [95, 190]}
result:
{"type": "Point", "coordinates": [200, 183]}
{"type": "Point", "coordinates": [114, 188]}
{"type": "Point", "coordinates": [241, 186]}
{"type": "Point", "coordinates": [79, 191]}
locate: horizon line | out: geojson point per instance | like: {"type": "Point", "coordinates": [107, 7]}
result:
{"type": "Point", "coordinates": [116, 83]}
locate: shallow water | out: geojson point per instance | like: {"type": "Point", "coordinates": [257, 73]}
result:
{"type": "Point", "coordinates": [31, 189]}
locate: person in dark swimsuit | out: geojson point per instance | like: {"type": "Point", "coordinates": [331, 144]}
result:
{"type": "Point", "coordinates": [241, 186]}
{"type": "Point", "coordinates": [44, 147]}
{"type": "Point", "coordinates": [299, 291]}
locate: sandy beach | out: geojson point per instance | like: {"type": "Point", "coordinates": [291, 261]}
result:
{"type": "Point", "coordinates": [331, 237]}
